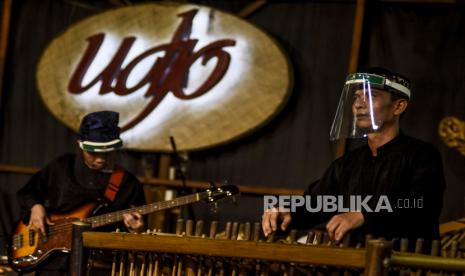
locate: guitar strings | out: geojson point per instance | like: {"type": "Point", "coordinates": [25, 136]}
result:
{"type": "Point", "coordinates": [101, 218]}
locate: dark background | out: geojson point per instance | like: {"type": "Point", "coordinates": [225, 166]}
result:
{"type": "Point", "coordinates": [425, 42]}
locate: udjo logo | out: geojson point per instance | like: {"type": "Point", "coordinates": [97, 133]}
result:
{"type": "Point", "coordinates": [192, 72]}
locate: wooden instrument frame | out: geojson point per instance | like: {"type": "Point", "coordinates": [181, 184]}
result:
{"type": "Point", "coordinates": [374, 260]}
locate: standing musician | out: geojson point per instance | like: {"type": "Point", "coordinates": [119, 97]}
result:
{"type": "Point", "coordinates": [404, 170]}
{"type": "Point", "coordinates": [72, 180]}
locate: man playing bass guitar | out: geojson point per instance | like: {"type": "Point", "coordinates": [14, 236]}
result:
{"type": "Point", "coordinates": [73, 180]}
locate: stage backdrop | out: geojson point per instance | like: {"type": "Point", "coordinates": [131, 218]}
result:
{"type": "Point", "coordinates": [422, 41]}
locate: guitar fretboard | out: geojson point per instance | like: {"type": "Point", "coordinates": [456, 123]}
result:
{"type": "Point", "coordinates": [110, 218]}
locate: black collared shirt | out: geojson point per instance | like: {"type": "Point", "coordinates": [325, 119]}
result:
{"type": "Point", "coordinates": [67, 183]}
{"type": "Point", "coordinates": [406, 171]}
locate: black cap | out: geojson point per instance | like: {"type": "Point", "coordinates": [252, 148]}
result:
{"type": "Point", "coordinates": [392, 76]}
{"type": "Point", "coordinates": [99, 131]}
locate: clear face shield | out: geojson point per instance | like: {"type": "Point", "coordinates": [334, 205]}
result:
{"type": "Point", "coordinates": [363, 106]}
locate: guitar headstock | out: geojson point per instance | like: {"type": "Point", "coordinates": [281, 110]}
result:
{"type": "Point", "coordinates": [218, 193]}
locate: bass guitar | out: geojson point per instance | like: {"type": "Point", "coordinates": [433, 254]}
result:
{"type": "Point", "coordinates": [29, 248]}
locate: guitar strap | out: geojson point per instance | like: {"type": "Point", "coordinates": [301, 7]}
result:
{"type": "Point", "coordinates": [114, 183]}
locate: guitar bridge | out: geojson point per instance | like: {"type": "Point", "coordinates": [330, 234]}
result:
{"type": "Point", "coordinates": [26, 259]}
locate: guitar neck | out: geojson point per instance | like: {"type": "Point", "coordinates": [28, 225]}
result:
{"type": "Point", "coordinates": [113, 217]}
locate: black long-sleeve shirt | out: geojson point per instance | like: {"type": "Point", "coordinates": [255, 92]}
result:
{"type": "Point", "coordinates": [406, 170]}
{"type": "Point", "coordinates": [67, 183]}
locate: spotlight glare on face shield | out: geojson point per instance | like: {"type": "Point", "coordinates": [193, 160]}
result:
{"type": "Point", "coordinates": [366, 87]}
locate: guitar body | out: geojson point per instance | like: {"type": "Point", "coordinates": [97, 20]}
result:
{"type": "Point", "coordinates": [28, 248]}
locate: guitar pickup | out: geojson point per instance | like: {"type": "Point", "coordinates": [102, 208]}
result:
{"type": "Point", "coordinates": [17, 241]}
{"type": "Point", "coordinates": [32, 233]}
{"type": "Point", "coordinates": [47, 232]}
